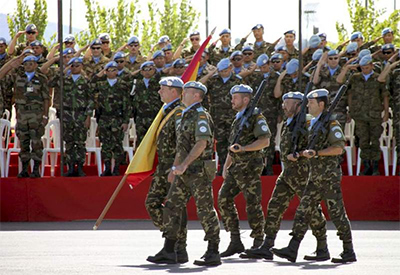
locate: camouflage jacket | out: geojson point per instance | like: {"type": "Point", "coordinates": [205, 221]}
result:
{"type": "Point", "coordinates": [135, 65]}
{"type": "Point", "coordinates": [4, 60]}
{"type": "Point", "coordinates": [264, 47]}
{"type": "Point", "coordinates": [30, 95]}
{"type": "Point", "coordinates": [293, 53]}
{"type": "Point", "coordinates": [188, 52]}
{"type": "Point", "coordinates": [77, 96]}
{"type": "Point", "coordinates": [394, 88]}
{"type": "Point", "coordinates": [91, 68]}
{"type": "Point", "coordinates": [204, 70]}
{"type": "Point", "coordinates": [218, 53]}
{"type": "Point", "coordinates": [288, 85]}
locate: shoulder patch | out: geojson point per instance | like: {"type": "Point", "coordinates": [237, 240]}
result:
{"type": "Point", "coordinates": [337, 127]}
{"type": "Point", "coordinates": [200, 109]}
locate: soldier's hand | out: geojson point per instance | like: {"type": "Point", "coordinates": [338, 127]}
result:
{"type": "Point", "coordinates": [236, 148]}
{"type": "Point", "coordinates": [309, 153]}
{"type": "Point", "coordinates": [124, 127]}
{"type": "Point", "coordinates": [291, 157]}
{"type": "Point", "coordinates": [180, 169]}
{"type": "Point", "coordinates": [171, 176]}
{"type": "Point", "coordinates": [352, 67]}
{"type": "Point", "coordinates": [20, 33]}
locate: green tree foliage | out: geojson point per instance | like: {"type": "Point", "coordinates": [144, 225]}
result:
{"type": "Point", "coordinates": [367, 21]}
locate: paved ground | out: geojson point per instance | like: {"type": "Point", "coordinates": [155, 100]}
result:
{"type": "Point", "coordinates": [121, 247]}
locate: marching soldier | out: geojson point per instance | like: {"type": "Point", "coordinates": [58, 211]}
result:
{"type": "Point", "coordinates": [223, 51]}
{"type": "Point", "coordinates": [242, 172]}
{"type": "Point", "coordinates": [94, 61]}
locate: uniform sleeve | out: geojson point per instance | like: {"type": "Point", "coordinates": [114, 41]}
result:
{"type": "Point", "coordinates": [384, 91]}
{"type": "Point", "coordinates": [202, 128]}
{"type": "Point", "coordinates": [261, 128]}
{"type": "Point", "coordinates": [336, 136]}
{"type": "Point", "coordinates": [45, 88]}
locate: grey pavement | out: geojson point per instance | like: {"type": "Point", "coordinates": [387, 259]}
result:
{"type": "Point", "coordinates": [121, 247]}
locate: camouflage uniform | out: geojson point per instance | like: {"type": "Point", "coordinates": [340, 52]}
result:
{"type": "Point", "coordinates": [218, 53]}
{"type": "Point", "coordinates": [7, 86]}
{"type": "Point", "coordinates": [259, 49]}
{"type": "Point", "coordinates": [394, 86]}
{"type": "Point", "coordinates": [91, 68]}
{"type": "Point", "coordinates": [293, 53]}
{"type": "Point", "coordinates": [21, 47]}
{"type": "Point", "coordinates": [135, 65]}
{"type": "Point", "coordinates": [204, 70]}
{"type": "Point", "coordinates": [195, 125]}
{"type": "Point", "coordinates": [4, 60]}
{"type": "Point", "coordinates": [366, 109]}
{"type": "Point", "coordinates": [288, 85]}
{"type": "Point", "coordinates": [188, 52]}
{"type": "Point", "coordinates": [29, 104]}
{"type": "Point", "coordinates": [244, 176]}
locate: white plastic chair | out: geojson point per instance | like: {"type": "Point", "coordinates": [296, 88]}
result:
{"type": "Point", "coordinates": [5, 127]}
{"type": "Point", "coordinates": [15, 149]}
{"type": "Point", "coordinates": [6, 114]}
{"type": "Point", "coordinates": [51, 145]}
{"type": "Point", "coordinates": [394, 158]}
{"type": "Point", "coordinates": [349, 136]}
{"type": "Point", "coordinates": [130, 137]}
{"type": "Point", "coordinates": [91, 145]}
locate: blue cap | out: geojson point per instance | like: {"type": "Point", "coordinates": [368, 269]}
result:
{"type": "Point", "coordinates": [386, 31]}
{"type": "Point", "coordinates": [111, 64]}
{"type": "Point", "coordinates": [119, 55]}
{"type": "Point", "coordinates": [69, 38]}
{"type": "Point", "coordinates": [36, 43]}
{"type": "Point", "coordinates": [241, 89]}
{"type": "Point", "coordinates": [104, 37]}
{"type": "Point", "coordinates": [292, 66]}
{"type": "Point", "coordinates": [363, 53]}
{"type": "Point", "coordinates": [276, 56]}
{"type": "Point", "coordinates": [158, 54]}
{"type": "Point", "coordinates": [3, 40]}
{"type": "Point", "coordinates": [387, 47]}
{"type": "Point", "coordinates": [68, 51]}
{"type": "Point", "coordinates": [194, 33]}
{"type": "Point", "coordinates": [146, 64]}
{"type": "Point", "coordinates": [317, 93]}
{"type": "Point", "coordinates": [333, 52]}
{"type": "Point", "coordinates": [290, 32]}
{"type": "Point", "coordinates": [29, 58]}
{"type": "Point", "coordinates": [366, 60]}
{"type": "Point", "coordinates": [171, 81]}
{"type": "Point", "coordinates": [225, 31]}
{"type": "Point", "coordinates": [76, 60]}
{"type": "Point", "coordinates": [248, 48]}
{"type": "Point", "coordinates": [314, 41]}
{"type": "Point", "coordinates": [236, 53]}
{"type": "Point", "coordinates": [281, 48]}
{"type": "Point", "coordinates": [258, 26]}
{"type": "Point", "coordinates": [356, 35]}
{"type": "Point", "coordinates": [322, 35]}
{"type": "Point", "coordinates": [293, 95]}
{"type": "Point", "coordinates": [31, 28]}
{"type": "Point", "coordinates": [195, 85]}
{"type": "Point", "coordinates": [317, 55]}
{"type": "Point", "coordinates": [168, 47]}
{"type": "Point", "coordinates": [262, 60]}
{"type": "Point", "coordinates": [223, 64]}
{"type": "Point", "coordinates": [178, 62]}
{"type": "Point", "coordinates": [352, 47]}
{"type": "Point", "coordinates": [95, 42]}
{"type": "Point", "coordinates": [133, 40]}
{"type": "Point", "coordinates": [163, 39]}
{"type": "Point", "coordinates": [28, 51]}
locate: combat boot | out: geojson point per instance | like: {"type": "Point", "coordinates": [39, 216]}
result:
{"type": "Point", "coordinates": [321, 253]}
{"type": "Point", "coordinates": [71, 171]}
{"type": "Point", "coordinates": [375, 168]}
{"type": "Point", "coordinates": [347, 256]}
{"type": "Point", "coordinates": [24, 173]}
{"type": "Point", "coordinates": [235, 246]}
{"type": "Point", "coordinates": [107, 169]}
{"type": "Point", "coordinates": [167, 254]}
{"type": "Point", "coordinates": [35, 173]}
{"type": "Point", "coordinates": [367, 168]}
{"type": "Point", "coordinates": [79, 171]}
{"type": "Point", "coordinates": [211, 257]}
{"type": "Point", "coordinates": [262, 252]}
{"type": "Point", "coordinates": [289, 253]}
{"type": "Point", "coordinates": [116, 169]}
{"type": "Point", "coordinates": [181, 253]}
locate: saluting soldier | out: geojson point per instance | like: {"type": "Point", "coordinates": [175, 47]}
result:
{"type": "Point", "coordinates": [94, 61]}
{"type": "Point", "coordinates": [123, 72]}
{"type": "Point", "coordinates": [105, 45]}
{"type": "Point", "coordinates": [4, 56]}
{"type": "Point", "coordinates": [288, 79]}
{"type": "Point", "coordinates": [223, 51]}
{"type": "Point", "coordinates": [135, 57]}
{"type": "Point", "coordinates": [195, 42]}
{"type": "Point", "coordinates": [31, 32]}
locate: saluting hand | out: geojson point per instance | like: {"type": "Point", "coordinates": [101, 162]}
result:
{"type": "Point", "coordinates": [291, 157]}
{"type": "Point", "coordinates": [124, 127]}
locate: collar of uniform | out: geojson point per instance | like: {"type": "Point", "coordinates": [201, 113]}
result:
{"type": "Point", "coordinates": [289, 120]}
{"type": "Point", "coordinates": [189, 107]}
{"type": "Point", "coordinates": [237, 70]}
{"type": "Point", "coordinates": [2, 56]}
{"type": "Point", "coordinates": [314, 119]}
{"type": "Point", "coordinates": [367, 76]}
{"type": "Point", "coordinates": [294, 80]}
{"type": "Point", "coordinates": [30, 75]}
{"type": "Point", "coordinates": [75, 77]}
{"type": "Point", "coordinates": [259, 43]}
{"type": "Point", "coordinates": [333, 71]}
{"type": "Point", "coordinates": [38, 57]}
{"type": "Point", "coordinates": [240, 114]}
{"type": "Point", "coordinates": [225, 49]}
{"type": "Point", "coordinates": [166, 106]}
{"type": "Point", "coordinates": [225, 79]}
{"type": "Point", "coordinates": [96, 59]}
{"type": "Point", "coordinates": [132, 59]}
{"type": "Point", "coordinates": [121, 71]}
{"type": "Point", "coordinates": [266, 75]}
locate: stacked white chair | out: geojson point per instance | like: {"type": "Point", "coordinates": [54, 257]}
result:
{"type": "Point", "coordinates": [130, 138]}
{"type": "Point", "coordinates": [349, 137]}
{"type": "Point", "coordinates": [5, 127]}
{"type": "Point", "coordinates": [51, 145]}
{"type": "Point", "coordinates": [91, 145]}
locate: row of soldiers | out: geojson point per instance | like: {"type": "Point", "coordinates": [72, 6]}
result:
{"type": "Point", "coordinates": [138, 78]}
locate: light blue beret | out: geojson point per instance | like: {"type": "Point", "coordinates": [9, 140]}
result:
{"type": "Point", "coordinates": [69, 38]}
{"type": "Point", "coordinates": [293, 95]}
{"type": "Point", "coordinates": [104, 37]}
{"type": "Point", "coordinates": [168, 47]}
{"type": "Point", "coordinates": [111, 64]}
{"type": "Point", "coordinates": [352, 47]}
{"type": "Point", "coordinates": [158, 54]}
{"type": "Point", "coordinates": [28, 51]}
{"type": "Point", "coordinates": [194, 33]}
{"type": "Point", "coordinates": [29, 58]}
{"type": "Point", "coordinates": [317, 55]}
{"type": "Point", "coordinates": [356, 35]}
{"type": "Point", "coordinates": [322, 35]}
{"type": "Point", "coordinates": [247, 48]}
{"type": "Point", "coordinates": [333, 52]}
{"type": "Point", "coordinates": [163, 39]}
{"type": "Point", "coordinates": [277, 56]}
{"type": "Point", "coordinates": [95, 42]}
{"type": "Point", "coordinates": [3, 40]}
{"type": "Point", "coordinates": [317, 93]}
{"type": "Point", "coordinates": [76, 60]}
{"type": "Point", "coordinates": [223, 64]}
{"type": "Point", "coordinates": [388, 47]}
{"type": "Point", "coordinates": [281, 48]}
{"type": "Point", "coordinates": [119, 55]}
{"type": "Point", "coordinates": [262, 60]}
{"type": "Point", "coordinates": [36, 43]}
{"type": "Point", "coordinates": [133, 39]}
{"type": "Point", "coordinates": [363, 53]}
{"type": "Point", "coordinates": [386, 31]}
{"type": "Point", "coordinates": [314, 41]}
{"type": "Point", "coordinates": [146, 64]}
{"type": "Point", "coordinates": [171, 82]}
{"type": "Point", "coordinates": [236, 53]}
{"type": "Point", "coordinates": [225, 31]}
{"type": "Point", "coordinates": [68, 51]}
{"type": "Point", "coordinates": [258, 26]}
{"type": "Point", "coordinates": [292, 66]}
{"type": "Point", "coordinates": [241, 89]}
{"type": "Point", "coordinates": [366, 60]}
{"type": "Point", "coordinates": [178, 62]}
{"type": "Point", "coordinates": [290, 32]}
{"type": "Point", "coordinates": [31, 28]}
{"type": "Point", "coordinates": [195, 85]}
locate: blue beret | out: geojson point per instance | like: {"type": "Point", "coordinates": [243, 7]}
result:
{"type": "Point", "coordinates": [262, 60]}
{"type": "Point", "coordinates": [111, 64]}
{"type": "Point", "coordinates": [387, 47]}
{"type": "Point", "coordinates": [133, 39]}
{"type": "Point", "coordinates": [236, 53]}
{"type": "Point", "coordinates": [171, 81]}
{"type": "Point", "coordinates": [386, 31]}
{"type": "Point", "coordinates": [241, 89]}
{"type": "Point", "coordinates": [225, 31]}
{"type": "Point", "coordinates": [223, 64]}
{"type": "Point", "coordinates": [31, 28]}
{"type": "Point", "coordinates": [363, 53]}
{"type": "Point", "coordinates": [333, 52]}
{"type": "Point", "coordinates": [356, 35]}
{"type": "Point", "coordinates": [317, 93]}
{"type": "Point", "coordinates": [322, 35]}
{"type": "Point", "coordinates": [158, 54]}
{"type": "Point", "coordinates": [28, 51]}
{"type": "Point", "coordinates": [314, 41]}
{"type": "Point", "coordinates": [293, 95]}
{"type": "Point", "coordinates": [76, 60]}
{"type": "Point", "coordinates": [317, 55]}
{"type": "Point", "coordinates": [292, 66]}
{"type": "Point", "coordinates": [178, 62]}
{"type": "Point", "coordinates": [95, 42]}
{"type": "Point", "coordinates": [68, 51]}
{"type": "Point", "coordinates": [104, 37]}
{"type": "Point", "coordinates": [290, 32]}
{"type": "Point", "coordinates": [146, 64]}
{"type": "Point", "coordinates": [277, 56]}
{"type": "Point", "coordinates": [119, 55]}
{"type": "Point", "coordinates": [258, 26]}
{"type": "Point", "coordinates": [168, 47]}
{"type": "Point", "coordinates": [352, 47]}
{"type": "Point", "coordinates": [36, 43]}
{"type": "Point", "coordinates": [3, 40]}
{"type": "Point", "coordinates": [194, 33]}
{"type": "Point", "coordinates": [247, 48]}
{"type": "Point", "coordinates": [195, 85]}
{"type": "Point", "coordinates": [281, 48]}
{"type": "Point", "coordinates": [69, 38]}
{"type": "Point", "coordinates": [366, 60]}
{"type": "Point", "coordinates": [163, 39]}
{"type": "Point", "coordinates": [29, 58]}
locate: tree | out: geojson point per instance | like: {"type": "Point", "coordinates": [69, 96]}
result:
{"type": "Point", "coordinates": [366, 20]}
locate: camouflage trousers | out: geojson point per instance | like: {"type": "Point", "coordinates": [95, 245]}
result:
{"type": "Point", "coordinates": [242, 177]}
{"type": "Point", "coordinates": [273, 127]}
{"type": "Point", "coordinates": [30, 131]}
{"type": "Point", "coordinates": [324, 186]}
{"type": "Point", "coordinates": [194, 182]}
{"type": "Point", "coordinates": [75, 134]}
{"type": "Point", "coordinates": [369, 133]}
{"type": "Point", "coordinates": [396, 128]}
{"type": "Point", "coordinates": [155, 201]}
{"type": "Point", "coordinates": [221, 132]}
{"type": "Point", "coordinates": [142, 125]}
{"type": "Point", "coordinates": [111, 136]}
{"type": "Point", "coordinates": [292, 181]}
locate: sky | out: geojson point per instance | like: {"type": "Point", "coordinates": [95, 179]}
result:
{"type": "Point", "coordinates": [276, 16]}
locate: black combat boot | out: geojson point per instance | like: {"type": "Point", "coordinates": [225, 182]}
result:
{"type": "Point", "coordinates": [167, 254]}
{"type": "Point", "coordinates": [79, 171]}
{"type": "Point", "coordinates": [262, 252]}
{"type": "Point", "coordinates": [211, 257]}
{"type": "Point", "coordinates": [235, 246]}
{"type": "Point", "coordinates": [367, 168]}
{"type": "Point", "coordinates": [347, 256]}
{"type": "Point", "coordinates": [289, 253]}
{"type": "Point", "coordinates": [35, 173]}
{"type": "Point", "coordinates": [375, 168]}
{"type": "Point", "coordinates": [107, 169]}
{"type": "Point", "coordinates": [116, 169]}
{"type": "Point", "coordinates": [71, 170]}
{"type": "Point", "coordinates": [24, 173]}
{"type": "Point", "coordinates": [321, 254]}
{"type": "Point", "coordinates": [181, 253]}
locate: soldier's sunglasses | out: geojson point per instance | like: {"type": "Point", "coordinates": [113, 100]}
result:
{"type": "Point", "coordinates": [29, 63]}
{"type": "Point", "coordinates": [276, 61]}
{"type": "Point", "coordinates": [96, 48]}
{"type": "Point", "coordinates": [111, 70]}
{"type": "Point", "coordinates": [351, 54]}
{"type": "Point", "coordinates": [390, 52]}
{"type": "Point", "coordinates": [333, 58]}
{"type": "Point", "coordinates": [105, 42]}
{"type": "Point", "coordinates": [120, 61]}
{"type": "Point", "coordinates": [146, 69]}
{"type": "Point", "coordinates": [194, 39]}
{"type": "Point", "coordinates": [31, 33]}
{"type": "Point", "coordinates": [250, 53]}
{"type": "Point", "coordinates": [75, 65]}
{"type": "Point", "coordinates": [133, 45]}
{"type": "Point", "coordinates": [69, 43]}
{"type": "Point", "coordinates": [237, 59]}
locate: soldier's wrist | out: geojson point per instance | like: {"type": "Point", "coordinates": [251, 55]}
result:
{"type": "Point", "coordinates": [316, 154]}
